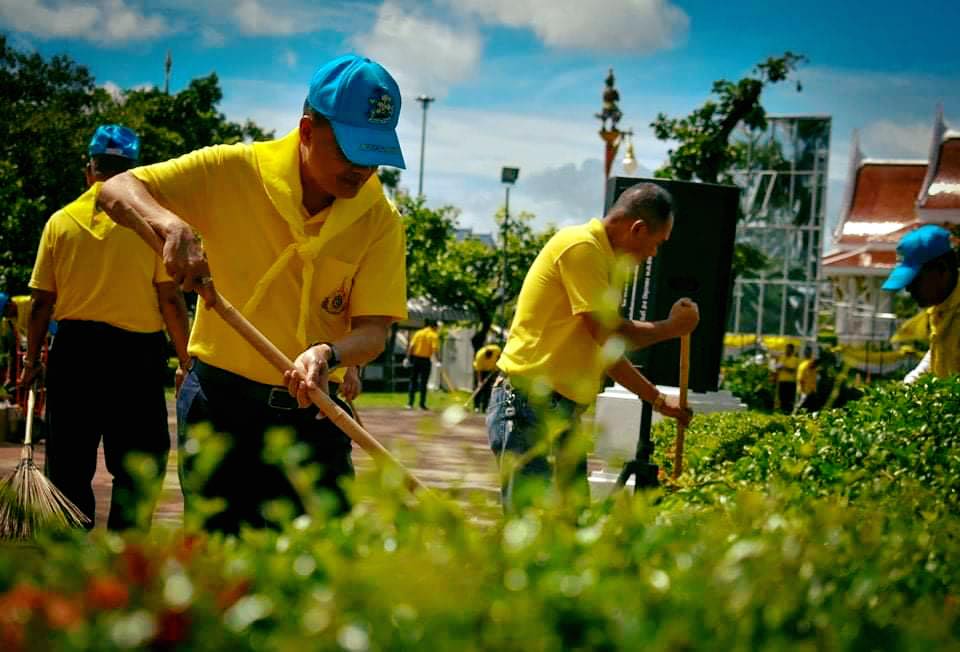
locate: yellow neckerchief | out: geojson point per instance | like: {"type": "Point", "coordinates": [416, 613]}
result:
{"type": "Point", "coordinates": [942, 317]}
{"type": "Point", "coordinates": [279, 164]}
{"type": "Point", "coordinates": [87, 214]}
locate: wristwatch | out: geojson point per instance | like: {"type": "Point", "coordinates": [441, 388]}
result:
{"type": "Point", "coordinates": [334, 360]}
{"type": "Point", "coordinates": [659, 402]}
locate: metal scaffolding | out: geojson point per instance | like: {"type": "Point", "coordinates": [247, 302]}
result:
{"type": "Point", "coordinates": [783, 174]}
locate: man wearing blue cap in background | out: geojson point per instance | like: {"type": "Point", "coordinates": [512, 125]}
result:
{"type": "Point", "coordinates": [112, 297]}
{"type": "Point", "coordinates": [300, 236]}
{"type": "Point", "coordinates": [928, 270]}
{"type": "Point", "coordinates": [9, 348]}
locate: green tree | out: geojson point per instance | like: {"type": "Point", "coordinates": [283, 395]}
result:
{"type": "Point", "coordinates": [50, 108]}
{"type": "Point", "coordinates": [704, 151]}
{"type": "Point", "coordinates": [466, 273]}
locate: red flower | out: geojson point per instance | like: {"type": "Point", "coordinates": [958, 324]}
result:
{"type": "Point", "coordinates": [136, 565]}
{"type": "Point", "coordinates": [11, 636]}
{"type": "Point", "coordinates": [172, 627]}
{"type": "Point", "coordinates": [107, 593]}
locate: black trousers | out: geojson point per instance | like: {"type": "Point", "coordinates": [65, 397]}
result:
{"type": "Point", "coordinates": [482, 399]}
{"type": "Point", "coordinates": [788, 394]}
{"type": "Point", "coordinates": [106, 383]}
{"type": "Point", "coordinates": [419, 375]}
{"type": "Point", "coordinates": [232, 478]}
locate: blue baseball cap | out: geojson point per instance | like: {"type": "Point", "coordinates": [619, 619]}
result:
{"type": "Point", "coordinates": [915, 250]}
{"type": "Point", "coordinates": [115, 140]}
{"type": "Point", "coordinates": [362, 102]}
{"type": "Point", "coordinates": [3, 302]}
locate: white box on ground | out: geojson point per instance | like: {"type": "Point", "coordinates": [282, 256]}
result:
{"type": "Point", "coordinates": [617, 427]}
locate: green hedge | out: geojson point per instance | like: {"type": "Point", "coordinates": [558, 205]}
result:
{"type": "Point", "coordinates": [833, 532]}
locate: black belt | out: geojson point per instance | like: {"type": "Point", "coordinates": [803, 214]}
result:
{"type": "Point", "coordinates": [275, 396]}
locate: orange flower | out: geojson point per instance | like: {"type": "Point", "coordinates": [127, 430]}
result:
{"type": "Point", "coordinates": [185, 547]}
{"type": "Point", "coordinates": [21, 599]}
{"type": "Point", "coordinates": [107, 593]}
{"type": "Point", "coordinates": [231, 593]}
{"type": "Point", "coordinates": [62, 613]}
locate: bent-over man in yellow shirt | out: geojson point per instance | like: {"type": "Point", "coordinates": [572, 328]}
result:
{"type": "Point", "coordinates": [484, 366]}
{"type": "Point", "coordinates": [299, 236]}
{"type": "Point", "coordinates": [567, 333]}
{"type": "Point", "coordinates": [421, 350]}
{"type": "Point", "coordinates": [928, 271]}
{"type": "Point", "coordinates": [112, 297]}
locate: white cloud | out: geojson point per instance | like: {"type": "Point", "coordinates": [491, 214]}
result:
{"type": "Point", "coordinates": [888, 139]}
{"type": "Point", "coordinates": [211, 37]}
{"type": "Point", "coordinates": [107, 22]}
{"type": "Point", "coordinates": [289, 58]}
{"type": "Point", "coordinates": [620, 25]}
{"type": "Point", "coordinates": [425, 56]}
{"type": "Point", "coordinates": [113, 90]}
{"type": "Point", "coordinates": [252, 18]}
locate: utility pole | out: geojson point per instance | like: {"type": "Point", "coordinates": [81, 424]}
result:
{"type": "Point", "coordinates": [167, 65]}
{"type": "Point", "coordinates": [425, 101]}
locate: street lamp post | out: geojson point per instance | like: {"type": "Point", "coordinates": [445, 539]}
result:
{"type": "Point", "coordinates": [425, 101]}
{"type": "Point", "coordinates": [508, 177]}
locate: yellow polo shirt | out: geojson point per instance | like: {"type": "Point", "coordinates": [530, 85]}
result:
{"type": "Point", "coordinates": [806, 377]}
{"type": "Point", "coordinates": [100, 272]}
{"type": "Point", "coordinates": [298, 278]}
{"type": "Point", "coordinates": [424, 343]}
{"type": "Point", "coordinates": [788, 374]}
{"type": "Point", "coordinates": [945, 335]}
{"type": "Point", "coordinates": [484, 362]}
{"type": "Point", "coordinates": [549, 348]}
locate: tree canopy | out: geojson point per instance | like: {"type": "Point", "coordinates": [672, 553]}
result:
{"type": "Point", "coordinates": [50, 108]}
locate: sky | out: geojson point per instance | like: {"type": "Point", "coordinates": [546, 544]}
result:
{"type": "Point", "coordinates": [517, 82]}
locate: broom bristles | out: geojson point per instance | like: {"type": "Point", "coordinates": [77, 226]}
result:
{"type": "Point", "coordinates": [29, 502]}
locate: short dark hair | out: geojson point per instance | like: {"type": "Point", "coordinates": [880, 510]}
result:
{"type": "Point", "coordinates": [646, 201]}
{"type": "Point", "coordinates": [317, 118]}
{"type": "Point", "coordinates": [431, 322]}
{"type": "Point", "coordinates": [104, 166]}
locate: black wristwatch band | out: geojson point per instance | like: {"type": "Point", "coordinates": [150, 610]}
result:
{"type": "Point", "coordinates": [334, 360]}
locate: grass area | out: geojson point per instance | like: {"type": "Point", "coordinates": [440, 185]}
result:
{"type": "Point", "coordinates": [437, 400]}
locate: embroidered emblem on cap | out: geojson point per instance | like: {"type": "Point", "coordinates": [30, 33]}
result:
{"type": "Point", "coordinates": [337, 301]}
{"type": "Point", "coordinates": [381, 107]}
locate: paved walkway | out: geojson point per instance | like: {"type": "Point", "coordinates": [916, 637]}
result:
{"type": "Point", "coordinates": [454, 457]}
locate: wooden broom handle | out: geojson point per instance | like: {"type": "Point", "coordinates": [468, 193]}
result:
{"type": "Point", "coordinates": [684, 381]}
{"type": "Point", "coordinates": [282, 363]}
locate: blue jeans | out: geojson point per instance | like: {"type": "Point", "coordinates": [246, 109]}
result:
{"type": "Point", "coordinates": [536, 442]}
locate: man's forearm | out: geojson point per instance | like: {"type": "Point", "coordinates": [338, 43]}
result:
{"type": "Point", "coordinates": [128, 202]}
{"type": "Point", "coordinates": [174, 311]}
{"type": "Point", "coordinates": [627, 375]}
{"type": "Point", "coordinates": [41, 312]}
{"type": "Point", "coordinates": [641, 334]}
{"type": "Point", "coordinates": [363, 343]}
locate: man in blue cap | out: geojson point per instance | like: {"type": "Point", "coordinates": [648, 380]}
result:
{"type": "Point", "coordinates": [9, 348]}
{"type": "Point", "coordinates": [928, 271]}
{"type": "Point", "coordinates": [105, 379]}
{"type": "Point", "coordinates": [300, 236]}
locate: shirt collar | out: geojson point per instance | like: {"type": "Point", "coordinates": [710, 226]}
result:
{"type": "Point", "coordinates": [85, 212]}
{"type": "Point", "coordinates": [595, 227]}
{"type": "Point", "coordinates": [951, 303]}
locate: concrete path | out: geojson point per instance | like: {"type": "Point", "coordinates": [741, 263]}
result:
{"type": "Point", "coordinates": [443, 456]}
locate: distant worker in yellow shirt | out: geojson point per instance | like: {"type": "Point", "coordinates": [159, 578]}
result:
{"type": "Point", "coordinates": [785, 378]}
{"type": "Point", "coordinates": [566, 334]}
{"type": "Point", "coordinates": [299, 236]}
{"type": "Point", "coordinates": [807, 381]}
{"type": "Point", "coordinates": [112, 297]}
{"type": "Point", "coordinates": [484, 367]}
{"type": "Point", "coordinates": [422, 350]}
{"type": "Point", "coordinates": [928, 271]}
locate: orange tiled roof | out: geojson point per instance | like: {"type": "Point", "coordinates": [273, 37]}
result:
{"type": "Point", "coordinates": [944, 189]}
{"type": "Point", "coordinates": [882, 207]}
{"type": "Point", "coordinates": [864, 258]}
